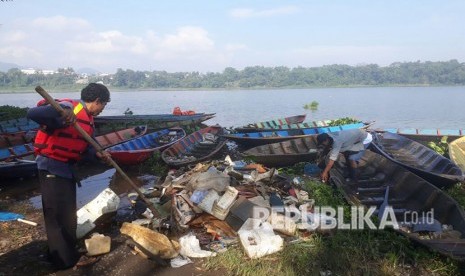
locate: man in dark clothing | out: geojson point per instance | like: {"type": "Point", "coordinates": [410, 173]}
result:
{"type": "Point", "coordinates": [58, 147]}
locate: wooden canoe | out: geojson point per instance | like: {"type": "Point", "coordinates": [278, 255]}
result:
{"type": "Point", "coordinates": [18, 151]}
{"type": "Point", "coordinates": [17, 169]}
{"type": "Point", "coordinates": [16, 138]}
{"type": "Point", "coordinates": [197, 147]}
{"type": "Point", "coordinates": [408, 194]}
{"type": "Point", "coordinates": [272, 124]}
{"type": "Point", "coordinates": [140, 149]}
{"type": "Point", "coordinates": [253, 139]}
{"type": "Point", "coordinates": [285, 153]}
{"type": "Point", "coordinates": [426, 135]}
{"type": "Point", "coordinates": [120, 136]}
{"type": "Point", "coordinates": [457, 152]}
{"type": "Point", "coordinates": [17, 125]}
{"type": "Point", "coordinates": [106, 124]}
{"type": "Point", "coordinates": [418, 158]}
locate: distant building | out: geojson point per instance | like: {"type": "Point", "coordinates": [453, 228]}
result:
{"type": "Point", "coordinates": [31, 71]}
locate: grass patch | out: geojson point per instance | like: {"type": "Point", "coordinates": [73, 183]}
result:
{"type": "Point", "coordinates": [155, 165]}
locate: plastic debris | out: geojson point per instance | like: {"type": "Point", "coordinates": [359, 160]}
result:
{"type": "Point", "coordinates": [258, 238]}
{"type": "Point", "coordinates": [190, 247]}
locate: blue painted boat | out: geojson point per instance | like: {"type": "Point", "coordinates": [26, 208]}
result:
{"type": "Point", "coordinates": [15, 152]}
{"type": "Point", "coordinates": [17, 125]}
{"type": "Point", "coordinates": [138, 150]}
{"type": "Point", "coordinates": [254, 139]}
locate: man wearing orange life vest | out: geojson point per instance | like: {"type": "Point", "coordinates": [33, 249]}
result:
{"type": "Point", "coordinates": [58, 147]}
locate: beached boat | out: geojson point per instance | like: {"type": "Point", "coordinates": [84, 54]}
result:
{"type": "Point", "coordinates": [18, 151]}
{"type": "Point", "coordinates": [254, 139]}
{"type": "Point", "coordinates": [425, 135]}
{"type": "Point", "coordinates": [425, 213]}
{"type": "Point", "coordinates": [418, 158]}
{"type": "Point", "coordinates": [16, 138]}
{"type": "Point", "coordinates": [120, 136]}
{"type": "Point", "coordinates": [285, 153]}
{"type": "Point", "coordinates": [140, 149]}
{"type": "Point", "coordinates": [17, 169]}
{"type": "Point", "coordinates": [196, 147]}
{"type": "Point", "coordinates": [17, 125]}
{"type": "Point", "coordinates": [313, 124]}
{"type": "Point", "coordinates": [271, 124]}
{"type": "Point", "coordinates": [457, 152]}
{"type": "Point", "coordinates": [105, 124]}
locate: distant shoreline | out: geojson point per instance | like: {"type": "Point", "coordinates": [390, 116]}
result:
{"type": "Point", "coordinates": [26, 90]}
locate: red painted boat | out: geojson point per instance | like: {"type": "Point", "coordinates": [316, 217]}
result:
{"type": "Point", "coordinates": [120, 136]}
{"type": "Point", "coordinates": [197, 147]}
{"type": "Point", "coordinates": [138, 150]}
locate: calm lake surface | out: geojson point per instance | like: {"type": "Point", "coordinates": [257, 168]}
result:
{"type": "Point", "coordinates": [397, 107]}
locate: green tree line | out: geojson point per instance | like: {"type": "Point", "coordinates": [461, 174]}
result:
{"type": "Point", "coordinates": [397, 74]}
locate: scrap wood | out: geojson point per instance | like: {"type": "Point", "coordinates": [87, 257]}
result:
{"type": "Point", "coordinates": [213, 225]}
{"type": "Point", "coordinates": [258, 167]}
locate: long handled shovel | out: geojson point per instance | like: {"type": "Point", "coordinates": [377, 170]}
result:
{"type": "Point", "coordinates": [91, 141]}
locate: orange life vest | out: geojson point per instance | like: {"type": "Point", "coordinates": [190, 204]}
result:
{"type": "Point", "coordinates": [177, 111]}
{"type": "Point", "coordinates": [65, 144]}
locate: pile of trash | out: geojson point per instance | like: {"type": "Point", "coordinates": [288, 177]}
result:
{"type": "Point", "coordinates": [205, 210]}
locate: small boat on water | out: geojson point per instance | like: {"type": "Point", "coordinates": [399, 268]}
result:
{"type": "Point", "coordinates": [17, 125]}
{"type": "Point", "coordinates": [196, 147]}
{"type": "Point", "coordinates": [17, 169]}
{"type": "Point", "coordinates": [105, 124]}
{"type": "Point", "coordinates": [16, 138]}
{"type": "Point", "coordinates": [417, 158]}
{"type": "Point", "coordinates": [285, 153]}
{"type": "Point", "coordinates": [271, 124]}
{"type": "Point", "coordinates": [254, 139]}
{"type": "Point", "coordinates": [14, 152]}
{"type": "Point", "coordinates": [425, 135]}
{"type": "Point", "coordinates": [439, 223]}
{"type": "Point", "coordinates": [138, 150]}
{"type": "Point", "coordinates": [457, 152]}
{"type": "Point", "coordinates": [120, 136]}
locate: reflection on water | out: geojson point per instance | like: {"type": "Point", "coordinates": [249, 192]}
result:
{"type": "Point", "coordinates": [94, 185]}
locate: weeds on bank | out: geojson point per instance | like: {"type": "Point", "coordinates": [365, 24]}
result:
{"type": "Point", "coordinates": [155, 165]}
{"type": "Point", "coordinates": [8, 112]}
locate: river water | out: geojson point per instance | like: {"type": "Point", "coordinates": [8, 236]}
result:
{"type": "Point", "coordinates": [389, 107]}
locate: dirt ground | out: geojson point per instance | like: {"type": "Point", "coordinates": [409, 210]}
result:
{"type": "Point", "coordinates": [23, 247]}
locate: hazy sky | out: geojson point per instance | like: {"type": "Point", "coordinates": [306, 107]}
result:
{"type": "Point", "coordinates": [210, 35]}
